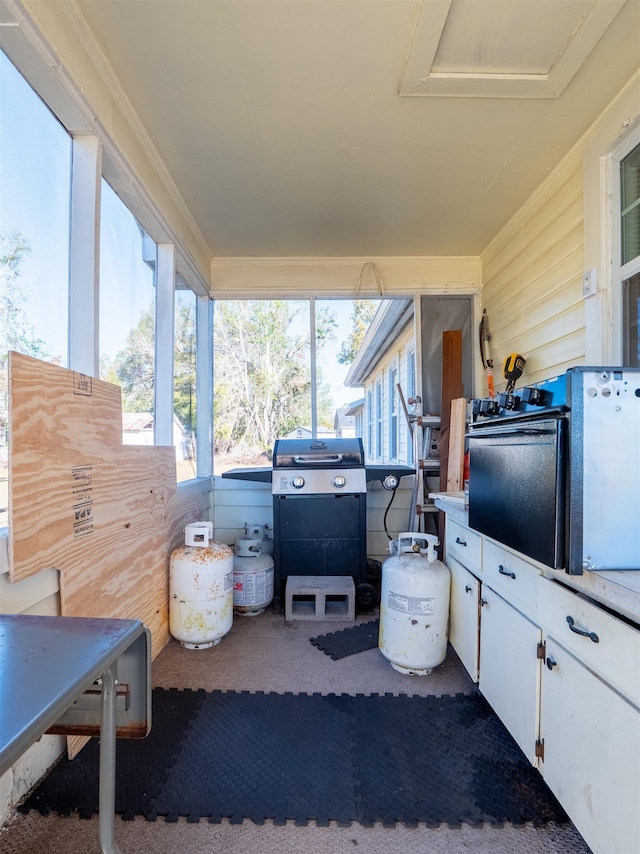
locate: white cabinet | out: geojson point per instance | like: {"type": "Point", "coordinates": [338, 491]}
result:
{"type": "Point", "coordinates": [606, 644]}
{"type": "Point", "coordinates": [591, 739]}
{"type": "Point", "coordinates": [464, 617]}
{"type": "Point", "coordinates": [510, 668]}
{"type": "Point", "coordinates": [562, 673]}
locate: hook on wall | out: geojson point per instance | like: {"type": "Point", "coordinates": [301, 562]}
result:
{"type": "Point", "coordinates": [378, 279]}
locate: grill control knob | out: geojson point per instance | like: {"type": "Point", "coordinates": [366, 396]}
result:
{"type": "Point", "coordinates": [339, 481]}
{"type": "Point", "coordinates": [297, 482]}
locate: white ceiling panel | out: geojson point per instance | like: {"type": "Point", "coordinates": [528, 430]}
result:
{"type": "Point", "coordinates": [283, 126]}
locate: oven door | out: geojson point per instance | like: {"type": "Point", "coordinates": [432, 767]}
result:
{"type": "Point", "coordinates": [517, 486]}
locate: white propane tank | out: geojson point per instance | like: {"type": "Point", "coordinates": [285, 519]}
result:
{"type": "Point", "coordinates": [414, 606]}
{"type": "Point", "coordinates": [200, 588]}
{"type": "Point", "coordinates": [261, 532]}
{"type": "Point", "coordinates": [252, 576]}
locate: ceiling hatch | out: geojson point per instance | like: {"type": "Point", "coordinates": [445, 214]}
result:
{"type": "Point", "coordinates": [502, 48]}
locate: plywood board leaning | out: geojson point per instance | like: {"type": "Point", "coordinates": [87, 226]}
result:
{"type": "Point", "coordinates": [81, 502]}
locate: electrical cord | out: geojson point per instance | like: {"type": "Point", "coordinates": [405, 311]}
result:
{"type": "Point", "coordinates": [384, 520]}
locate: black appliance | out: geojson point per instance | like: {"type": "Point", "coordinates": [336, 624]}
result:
{"type": "Point", "coordinates": [319, 489]}
{"type": "Point", "coordinates": [554, 469]}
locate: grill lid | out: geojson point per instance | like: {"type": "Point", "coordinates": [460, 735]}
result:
{"type": "Point", "coordinates": [318, 453]}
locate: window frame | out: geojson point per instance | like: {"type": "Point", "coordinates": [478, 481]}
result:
{"type": "Point", "coordinates": [619, 272]}
{"type": "Point", "coordinates": [410, 359]}
{"type": "Point", "coordinates": [378, 418]}
{"type": "Point", "coordinates": [393, 411]}
{"type": "Point", "coordinates": [622, 272]}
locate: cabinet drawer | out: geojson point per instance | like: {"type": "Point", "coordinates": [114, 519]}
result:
{"type": "Point", "coordinates": [610, 647]}
{"type": "Point", "coordinates": [464, 544]}
{"type": "Point", "coordinates": [511, 576]}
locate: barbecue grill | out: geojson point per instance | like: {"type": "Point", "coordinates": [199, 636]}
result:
{"type": "Point", "coordinates": [319, 489]}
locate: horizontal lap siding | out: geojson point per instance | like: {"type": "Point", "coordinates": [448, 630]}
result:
{"type": "Point", "coordinates": [533, 282]}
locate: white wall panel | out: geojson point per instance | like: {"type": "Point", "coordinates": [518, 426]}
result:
{"type": "Point", "coordinates": [533, 281]}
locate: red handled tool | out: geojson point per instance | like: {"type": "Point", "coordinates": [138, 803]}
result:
{"type": "Point", "coordinates": [487, 361]}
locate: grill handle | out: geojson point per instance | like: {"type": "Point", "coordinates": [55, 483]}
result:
{"type": "Point", "coordinates": [320, 461]}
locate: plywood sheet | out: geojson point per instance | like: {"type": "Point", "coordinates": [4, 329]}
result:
{"type": "Point", "coordinates": [102, 513]}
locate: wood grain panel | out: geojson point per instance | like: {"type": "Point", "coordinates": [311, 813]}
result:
{"type": "Point", "coordinates": [106, 515]}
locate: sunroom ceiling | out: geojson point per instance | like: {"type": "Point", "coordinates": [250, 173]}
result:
{"type": "Point", "coordinates": [362, 127]}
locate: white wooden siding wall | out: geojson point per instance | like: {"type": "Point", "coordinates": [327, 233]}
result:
{"type": "Point", "coordinates": [396, 356]}
{"type": "Point", "coordinates": [397, 518]}
{"type": "Point", "coordinates": [532, 275]}
{"type": "Point", "coordinates": [237, 502]}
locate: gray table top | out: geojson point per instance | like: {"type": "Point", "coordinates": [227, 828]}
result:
{"type": "Point", "coordinates": [45, 664]}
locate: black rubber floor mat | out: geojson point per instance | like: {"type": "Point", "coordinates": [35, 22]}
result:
{"type": "Point", "coordinates": [142, 765]}
{"type": "Point", "coordinates": [349, 641]}
{"type": "Point", "coordinates": [312, 757]}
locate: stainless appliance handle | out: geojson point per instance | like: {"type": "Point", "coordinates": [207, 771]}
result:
{"type": "Point", "coordinates": [514, 431]}
{"type": "Point", "coordinates": [321, 461]}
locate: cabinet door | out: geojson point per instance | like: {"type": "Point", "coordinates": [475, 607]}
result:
{"type": "Point", "coordinates": [510, 668]}
{"type": "Point", "coordinates": [464, 622]}
{"type": "Point", "coordinates": [591, 753]}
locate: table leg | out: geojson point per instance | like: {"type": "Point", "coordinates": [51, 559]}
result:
{"type": "Point", "coordinates": [107, 798]}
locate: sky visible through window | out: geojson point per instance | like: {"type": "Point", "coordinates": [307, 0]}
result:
{"type": "Point", "coordinates": [35, 172]}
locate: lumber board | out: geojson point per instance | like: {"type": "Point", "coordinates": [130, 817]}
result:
{"type": "Point", "coordinates": [105, 515]}
{"type": "Point", "coordinates": [457, 424]}
{"type": "Point", "coordinates": [451, 390]}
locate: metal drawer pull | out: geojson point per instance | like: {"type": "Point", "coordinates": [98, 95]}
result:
{"type": "Point", "coordinates": [504, 571]}
{"type": "Point", "coordinates": [460, 542]}
{"type": "Point", "coordinates": [591, 635]}
{"type": "Point", "coordinates": [551, 663]}
{"type": "Point", "coordinates": [468, 589]}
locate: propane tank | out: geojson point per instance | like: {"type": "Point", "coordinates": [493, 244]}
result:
{"type": "Point", "coordinates": [200, 588]}
{"type": "Point", "coordinates": [414, 606]}
{"type": "Point", "coordinates": [261, 532]}
{"type": "Point", "coordinates": [252, 577]}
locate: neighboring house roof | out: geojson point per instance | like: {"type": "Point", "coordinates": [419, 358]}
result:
{"type": "Point", "coordinates": [134, 421]}
{"type": "Point", "coordinates": [343, 419]}
{"type": "Point", "coordinates": [355, 407]}
{"type": "Point", "coordinates": [390, 319]}
{"type": "Point", "coordinates": [303, 432]}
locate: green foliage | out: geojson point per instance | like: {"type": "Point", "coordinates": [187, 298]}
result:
{"type": "Point", "coordinates": [361, 316]}
{"type": "Point", "coordinates": [184, 388]}
{"type": "Point", "coordinates": [134, 366]}
{"type": "Point", "coordinates": [16, 333]}
{"type": "Point", "coordinates": [262, 373]}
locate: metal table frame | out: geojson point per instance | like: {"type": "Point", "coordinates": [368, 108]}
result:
{"type": "Point", "coordinates": [46, 664]}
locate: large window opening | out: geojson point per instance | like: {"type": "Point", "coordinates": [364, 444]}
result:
{"type": "Point", "coordinates": [184, 386]}
{"type": "Point", "coordinates": [35, 183]}
{"type": "Point", "coordinates": [127, 315]}
{"type": "Point", "coordinates": [630, 255]}
{"type": "Point", "coordinates": [279, 371]}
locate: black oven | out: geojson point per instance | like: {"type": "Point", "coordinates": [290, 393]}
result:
{"type": "Point", "coordinates": [517, 486]}
{"type": "Point", "coordinates": [554, 469]}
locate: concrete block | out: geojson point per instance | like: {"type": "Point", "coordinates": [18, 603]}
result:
{"type": "Point", "coordinates": [320, 597]}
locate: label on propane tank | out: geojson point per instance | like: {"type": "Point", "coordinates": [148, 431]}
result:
{"type": "Point", "coordinates": [228, 580]}
{"type": "Point", "coordinates": [424, 606]}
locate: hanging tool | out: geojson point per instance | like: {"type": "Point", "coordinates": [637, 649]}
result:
{"type": "Point", "coordinates": [487, 361]}
{"type": "Point", "coordinates": [513, 368]}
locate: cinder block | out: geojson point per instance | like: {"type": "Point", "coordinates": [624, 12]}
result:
{"type": "Point", "coordinates": [320, 597]}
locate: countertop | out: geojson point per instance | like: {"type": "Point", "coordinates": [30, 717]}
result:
{"type": "Point", "coordinates": [618, 590]}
